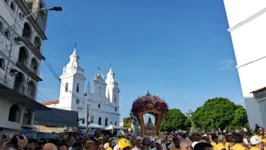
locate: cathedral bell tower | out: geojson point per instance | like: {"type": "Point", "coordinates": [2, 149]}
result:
{"type": "Point", "coordinates": [72, 84]}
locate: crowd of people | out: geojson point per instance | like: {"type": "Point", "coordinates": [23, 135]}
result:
{"type": "Point", "coordinates": [237, 140]}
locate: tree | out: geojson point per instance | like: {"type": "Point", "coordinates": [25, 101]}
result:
{"type": "Point", "coordinates": [240, 118]}
{"type": "Point", "coordinates": [173, 121]}
{"type": "Point", "coordinates": [218, 113]}
{"type": "Point", "coordinates": [190, 125]}
{"type": "Point", "coordinates": [127, 122]}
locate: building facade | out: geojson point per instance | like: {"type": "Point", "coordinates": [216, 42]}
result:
{"type": "Point", "coordinates": [103, 101]}
{"type": "Point", "coordinates": [247, 21]}
{"type": "Point", "coordinates": [20, 56]}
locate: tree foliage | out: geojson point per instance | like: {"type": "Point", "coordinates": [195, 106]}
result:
{"type": "Point", "coordinates": [127, 122]}
{"type": "Point", "coordinates": [240, 118]}
{"type": "Point", "coordinates": [174, 120]}
{"type": "Point", "coordinates": [219, 113]}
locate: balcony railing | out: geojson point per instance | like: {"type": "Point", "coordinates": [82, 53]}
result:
{"type": "Point", "coordinates": [32, 47]}
{"type": "Point", "coordinates": [18, 88]}
{"type": "Point", "coordinates": [26, 11]}
{"type": "Point", "coordinates": [29, 72]}
{"type": "Point", "coordinates": [41, 22]}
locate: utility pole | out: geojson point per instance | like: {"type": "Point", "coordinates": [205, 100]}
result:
{"type": "Point", "coordinates": [87, 113]}
{"type": "Point", "coordinates": [86, 119]}
{"type": "Point", "coordinates": [14, 32]}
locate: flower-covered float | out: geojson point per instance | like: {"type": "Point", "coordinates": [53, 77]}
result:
{"type": "Point", "coordinates": [150, 104]}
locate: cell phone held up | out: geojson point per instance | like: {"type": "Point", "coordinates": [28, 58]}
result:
{"type": "Point", "coordinates": [14, 140]}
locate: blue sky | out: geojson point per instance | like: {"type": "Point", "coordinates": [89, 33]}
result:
{"type": "Point", "coordinates": [179, 50]}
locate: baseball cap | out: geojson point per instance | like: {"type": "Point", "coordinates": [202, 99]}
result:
{"type": "Point", "coordinates": [254, 140]}
{"type": "Point", "coordinates": [194, 143]}
{"type": "Point", "coordinates": [113, 143]}
{"type": "Point", "coordinates": [123, 143]}
{"type": "Point", "coordinates": [106, 145]}
{"type": "Point", "coordinates": [158, 141]}
{"type": "Point", "coordinates": [89, 141]}
{"type": "Point", "coordinates": [152, 139]}
{"type": "Point", "coordinates": [176, 138]}
{"type": "Point", "coordinates": [204, 135]}
{"type": "Point", "coordinates": [100, 138]}
{"type": "Point", "coordinates": [138, 138]}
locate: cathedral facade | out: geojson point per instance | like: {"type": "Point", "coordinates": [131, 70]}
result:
{"type": "Point", "coordinates": [103, 101]}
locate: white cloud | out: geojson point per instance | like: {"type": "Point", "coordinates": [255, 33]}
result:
{"type": "Point", "coordinates": [226, 64]}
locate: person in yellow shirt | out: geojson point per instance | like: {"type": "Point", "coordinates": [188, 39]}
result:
{"type": "Point", "coordinates": [229, 141]}
{"type": "Point", "coordinates": [176, 145]}
{"type": "Point", "coordinates": [238, 139]}
{"type": "Point", "coordinates": [256, 143]}
{"type": "Point", "coordinates": [214, 141]}
{"type": "Point", "coordinates": [221, 143]}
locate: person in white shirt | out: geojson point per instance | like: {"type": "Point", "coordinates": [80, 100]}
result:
{"type": "Point", "coordinates": [159, 144]}
{"type": "Point", "coordinates": [138, 143]}
{"type": "Point", "coordinates": [152, 143]}
{"type": "Point", "coordinates": [116, 147]}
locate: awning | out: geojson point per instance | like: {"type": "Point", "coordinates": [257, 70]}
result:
{"type": "Point", "coordinates": [112, 127]}
{"type": "Point", "coordinates": [21, 99]}
{"type": "Point", "coordinates": [56, 118]}
{"type": "Point", "coordinates": [92, 126]}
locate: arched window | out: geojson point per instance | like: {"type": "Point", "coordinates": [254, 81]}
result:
{"type": "Point", "coordinates": [66, 87]}
{"type": "Point", "coordinates": [92, 119]}
{"type": "Point", "coordinates": [27, 117]}
{"type": "Point", "coordinates": [27, 31]}
{"type": "Point", "coordinates": [31, 89]}
{"type": "Point", "coordinates": [34, 65]}
{"type": "Point", "coordinates": [100, 91]}
{"type": "Point", "coordinates": [115, 99]}
{"type": "Point", "coordinates": [115, 109]}
{"type": "Point", "coordinates": [111, 122]}
{"type": "Point", "coordinates": [37, 43]}
{"type": "Point", "coordinates": [77, 87]}
{"type": "Point", "coordinates": [2, 63]}
{"type": "Point", "coordinates": [13, 6]}
{"type": "Point", "coordinates": [99, 105]}
{"type": "Point", "coordinates": [7, 35]}
{"type": "Point", "coordinates": [23, 56]}
{"type": "Point", "coordinates": [100, 121]}
{"type": "Point", "coordinates": [1, 27]}
{"type": "Point", "coordinates": [14, 113]}
{"type": "Point", "coordinates": [19, 83]}
{"type": "Point", "coordinates": [106, 121]}
{"type": "Point", "coordinates": [115, 123]}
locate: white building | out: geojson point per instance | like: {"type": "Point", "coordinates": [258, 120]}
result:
{"type": "Point", "coordinates": [247, 22]}
{"type": "Point", "coordinates": [103, 102]}
{"type": "Point", "coordinates": [20, 55]}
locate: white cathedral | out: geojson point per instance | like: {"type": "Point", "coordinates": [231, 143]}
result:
{"type": "Point", "coordinates": [103, 102]}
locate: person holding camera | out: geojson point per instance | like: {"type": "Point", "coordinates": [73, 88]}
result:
{"type": "Point", "coordinates": [16, 143]}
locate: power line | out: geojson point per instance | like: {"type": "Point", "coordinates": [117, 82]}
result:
{"type": "Point", "coordinates": [54, 73]}
{"type": "Point", "coordinates": [52, 70]}
{"type": "Point", "coordinates": [28, 89]}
